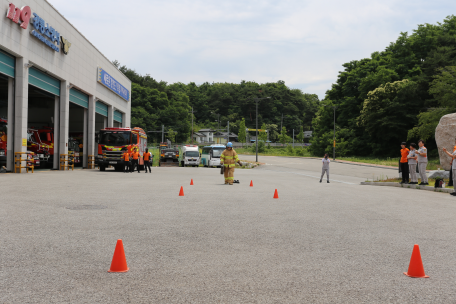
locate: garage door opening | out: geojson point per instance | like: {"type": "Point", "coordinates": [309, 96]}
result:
{"type": "Point", "coordinates": [40, 126]}
{"type": "Point", "coordinates": [3, 120]}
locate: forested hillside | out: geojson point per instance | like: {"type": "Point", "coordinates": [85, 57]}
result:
{"type": "Point", "coordinates": [395, 95]}
{"type": "Point", "coordinates": [155, 103]}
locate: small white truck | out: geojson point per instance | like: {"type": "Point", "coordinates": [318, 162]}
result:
{"type": "Point", "coordinates": [190, 156]}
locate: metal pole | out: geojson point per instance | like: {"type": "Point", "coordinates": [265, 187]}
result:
{"type": "Point", "coordinates": [256, 140]}
{"type": "Point", "coordinates": [281, 123]}
{"type": "Point", "coordinates": [228, 131]}
{"type": "Point", "coordinates": [192, 125]}
{"type": "Point", "coordinates": [163, 133]}
{"type": "Point", "coordinates": [293, 138]}
{"type": "Point", "coordinates": [334, 146]}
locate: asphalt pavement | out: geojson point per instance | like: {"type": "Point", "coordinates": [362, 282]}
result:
{"type": "Point", "coordinates": [318, 243]}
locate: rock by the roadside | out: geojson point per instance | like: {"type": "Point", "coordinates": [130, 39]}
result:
{"type": "Point", "coordinates": [445, 135]}
{"type": "Point", "coordinates": [439, 174]}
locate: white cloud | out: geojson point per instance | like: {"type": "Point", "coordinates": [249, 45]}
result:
{"type": "Point", "coordinates": [303, 43]}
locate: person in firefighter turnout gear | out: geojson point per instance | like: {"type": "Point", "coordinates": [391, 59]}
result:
{"type": "Point", "coordinates": [228, 159]}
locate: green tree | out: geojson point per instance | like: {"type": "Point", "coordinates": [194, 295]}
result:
{"type": "Point", "coordinates": [171, 135]}
{"type": "Point", "coordinates": [241, 134]}
{"type": "Point", "coordinates": [263, 135]}
{"type": "Point", "coordinates": [388, 113]}
{"type": "Point", "coordinates": [284, 138]}
{"type": "Point", "coordinates": [300, 136]}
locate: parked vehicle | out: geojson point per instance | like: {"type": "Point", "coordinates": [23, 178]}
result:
{"type": "Point", "coordinates": [111, 141]}
{"type": "Point", "coordinates": [3, 139]}
{"type": "Point", "coordinates": [169, 156]}
{"type": "Point", "coordinates": [210, 156]}
{"type": "Point", "coordinates": [189, 156]}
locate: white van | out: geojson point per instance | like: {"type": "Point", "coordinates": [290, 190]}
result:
{"type": "Point", "coordinates": [210, 156]}
{"type": "Point", "coordinates": [189, 156]}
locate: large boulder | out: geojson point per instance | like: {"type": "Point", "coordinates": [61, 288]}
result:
{"type": "Point", "coordinates": [445, 135]}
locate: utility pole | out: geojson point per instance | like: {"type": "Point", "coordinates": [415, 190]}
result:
{"type": "Point", "coordinates": [192, 122]}
{"type": "Point", "coordinates": [163, 133]}
{"type": "Point", "coordinates": [228, 139]}
{"type": "Point", "coordinates": [281, 123]}
{"type": "Point", "coordinates": [293, 138]}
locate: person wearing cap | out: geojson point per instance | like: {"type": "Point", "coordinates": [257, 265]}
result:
{"type": "Point", "coordinates": [126, 159]}
{"type": "Point", "coordinates": [453, 168]}
{"type": "Point", "coordinates": [404, 163]}
{"type": "Point", "coordinates": [422, 162]}
{"type": "Point", "coordinates": [228, 159]}
{"type": "Point", "coordinates": [411, 157]}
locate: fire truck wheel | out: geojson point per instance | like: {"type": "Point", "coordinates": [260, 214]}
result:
{"type": "Point", "coordinates": [102, 168]}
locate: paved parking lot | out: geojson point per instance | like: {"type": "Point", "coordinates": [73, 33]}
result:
{"type": "Point", "coordinates": [318, 243]}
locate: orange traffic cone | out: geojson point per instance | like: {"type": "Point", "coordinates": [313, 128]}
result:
{"type": "Point", "coordinates": [181, 192]}
{"type": "Point", "coordinates": [416, 269]}
{"type": "Point", "coordinates": [119, 263]}
{"type": "Point", "coordinates": [191, 183]}
{"type": "Point", "coordinates": [276, 194]}
{"type": "Point", "coordinates": [251, 183]}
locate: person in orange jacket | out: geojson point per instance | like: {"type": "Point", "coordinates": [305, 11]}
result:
{"type": "Point", "coordinates": [126, 158]}
{"type": "Point", "coordinates": [135, 162]}
{"type": "Point", "coordinates": [147, 159]}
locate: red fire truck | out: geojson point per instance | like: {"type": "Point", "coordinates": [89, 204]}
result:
{"type": "Point", "coordinates": [111, 141]}
{"type": "Point", "coordinates": [37, 148]}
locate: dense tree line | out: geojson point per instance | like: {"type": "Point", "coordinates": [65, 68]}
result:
{"type": "Point", "coordinates": [395, 95]}
{"type": "Point", "coordinates": [214, 104]}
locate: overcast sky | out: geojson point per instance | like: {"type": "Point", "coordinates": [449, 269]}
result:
{"type": "Point", "coordinates": [301, 42]}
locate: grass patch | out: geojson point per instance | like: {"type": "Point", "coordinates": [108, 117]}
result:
{"type": "Point", "coordinates": [297, 151]}
{"type": "Point", "coordinates": [433, 164]}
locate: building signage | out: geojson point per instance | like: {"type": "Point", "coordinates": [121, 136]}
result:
{"type": "Point", "coordinates": [19, 15]}
{"type": "Point", "coordinates": [42, 29]}
{"type": "Point", "coordinates": [112, 84]}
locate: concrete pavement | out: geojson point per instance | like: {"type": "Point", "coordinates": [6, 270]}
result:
{"type": "Point", "coordinates": [318, 243]}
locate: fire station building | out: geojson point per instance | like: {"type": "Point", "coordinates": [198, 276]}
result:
{"type": "Point", "coordinates": [52, 77]}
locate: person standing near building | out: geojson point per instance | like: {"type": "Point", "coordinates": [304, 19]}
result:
{"type": "Point", "coordinates": [126, 158]}
{"type": "Point", "coordinates": [147, 157]}
{"type": "Point", "coordinates": [453, 168]}
{"type": "Point", "coordinates": [135, 162]}
{"type": "Point", "coordinates": [412, 164]}
{"type": "Point", "coordinates": [422, 162]}
{"type": "Point", "coordinates": [228, 159]}
{"type": "Point", "coordinates": [325, 168]}
{"type": "Point", "coordinates": [404, 163]}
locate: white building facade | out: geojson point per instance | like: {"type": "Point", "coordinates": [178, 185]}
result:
{"type": "Point", "coordinates": [52, 76]}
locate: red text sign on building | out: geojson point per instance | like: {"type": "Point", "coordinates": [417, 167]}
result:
{"type": "Point", "coordinates": [19, 15]}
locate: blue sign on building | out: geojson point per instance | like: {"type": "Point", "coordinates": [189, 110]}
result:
{"type": "Point", "coordinates": [112, 84]}
{"type": "Point", "coordinates": [42, 27]}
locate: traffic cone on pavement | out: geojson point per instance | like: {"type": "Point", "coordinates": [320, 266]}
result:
{"type": "Point", "coordinates": [181, 192]}
{"type": "Point", "coordinates": [119, 263]}
{"type": "Point", "coordinates": [416, 269]}
{"type": "Point", "coordinates": [251, 183]}
{"type": "Point", "coordinates": [276, 194]}
{"type": "Point", "coordinates": [191, 182]}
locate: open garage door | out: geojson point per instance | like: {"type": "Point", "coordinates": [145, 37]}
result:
{"type": "Point", "coordinates": [77, 125]}
{"type": "Point", "coordinates": [42, 112]}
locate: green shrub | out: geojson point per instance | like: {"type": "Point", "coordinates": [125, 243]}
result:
{"type": "Point", "coordinates": [290, 150]}
{"type": "Point", "coordinates": [261, 147]}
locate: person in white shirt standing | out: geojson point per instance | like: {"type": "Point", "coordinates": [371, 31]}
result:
{"type": "Point", "coordinates": [412, 156]}
{"type": "Point", "coordinates": [422, 162]}
{"type": "Point", "coordinates": [325, 168]}
{"type": "Point", "coordinates": [453, 168]}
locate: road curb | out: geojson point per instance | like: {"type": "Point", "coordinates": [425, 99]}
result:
{"type": "Point", "coordinates": [408, 186]}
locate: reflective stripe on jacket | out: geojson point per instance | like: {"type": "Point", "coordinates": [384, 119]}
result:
{"type": "Point", "coordinates": [229, 158]}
